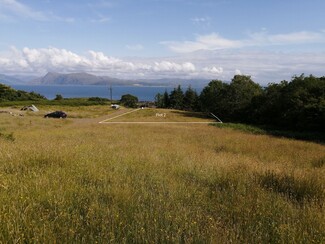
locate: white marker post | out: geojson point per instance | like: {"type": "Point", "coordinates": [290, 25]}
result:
{"type": "Point", "coordinates": [216, 118]}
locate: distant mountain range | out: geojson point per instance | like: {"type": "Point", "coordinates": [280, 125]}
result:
{"type": "Point", "coordinates": [10, 80]}
{"type": "Point", "coordinates": [53, 78]}
{"type": "Point", "coordinates": [78, 79]}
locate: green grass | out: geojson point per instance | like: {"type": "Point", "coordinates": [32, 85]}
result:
{"type": "Point", "coordinates": [77, 181]}
{"type": "Point", "coordinates": [242, 127]}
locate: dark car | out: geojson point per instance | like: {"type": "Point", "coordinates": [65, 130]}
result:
{"type": "Point", "coordinates": [56, 114]}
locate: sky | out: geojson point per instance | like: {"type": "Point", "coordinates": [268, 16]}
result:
{"type": "Point", "coordinates": [270, 40]}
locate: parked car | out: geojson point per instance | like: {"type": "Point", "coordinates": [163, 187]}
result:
{"type": "Point", "coordinates": [56, 114]}
{"type": "Point", "coordinates": [115, 106]}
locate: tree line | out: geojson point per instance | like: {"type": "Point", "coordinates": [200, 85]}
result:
{"type": "Point", "coordinates": [295, 105]}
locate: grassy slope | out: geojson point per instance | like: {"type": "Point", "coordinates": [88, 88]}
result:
{"type": "Point", "coordinates": [66, 181]}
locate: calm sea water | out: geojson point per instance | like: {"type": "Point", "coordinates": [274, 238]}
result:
{"type": "Point", "coordinates": [143, 93]}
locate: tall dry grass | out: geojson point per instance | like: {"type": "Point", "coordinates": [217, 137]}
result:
{"type": "Point", "coordinates": [65, 181]}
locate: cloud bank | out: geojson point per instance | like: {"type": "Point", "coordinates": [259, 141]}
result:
{"type": "Point", "coordinates": [263, 66]}
{"type": "Point", "coordinates": [40, 61]}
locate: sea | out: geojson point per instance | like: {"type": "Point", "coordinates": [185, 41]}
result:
{"type": "Point", "coordinates": [144, 93]}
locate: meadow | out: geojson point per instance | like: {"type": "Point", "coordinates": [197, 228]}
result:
{"type": "Point", "coordinates": [77, 181]}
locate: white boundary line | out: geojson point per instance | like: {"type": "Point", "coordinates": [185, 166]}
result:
{"type": "Point", "coordinates": [104, 121]}
{"type": "Point", "coordinates": [132, 122]}
{"type": "Point", "coordinates": [148, 122]}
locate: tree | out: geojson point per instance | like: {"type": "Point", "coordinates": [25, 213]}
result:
{"type": "Point", "coordinates": [213, 98]}
{"type": "Point", "coordinates": [162, 100]}
{"type": "Point", "coordinates": [295, 105]}
{"type": "Point", "coordinates": [159, 100]}
{"type": "Point", "coordinates": [190, 101]}
{"type": "Point", "coordinates": [267, 108]}
{"type": "Point", "coordinates": [304, 103]}
{"type": "Point", "coordinates": [176, 98]}
{"type": "Point", "coordinates": [241, 92]}
{"type": "Point", "coordinates": [166, 100]}
{"type": "Point", "coordinates": [58, 97]}
{"type": "Point", "coordinates": [129, 100]}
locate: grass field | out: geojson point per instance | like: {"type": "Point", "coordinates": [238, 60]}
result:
{"type": "Point", "coordinates": [159, 115]}
{"type": "Point", "coordinates": [78, 181]}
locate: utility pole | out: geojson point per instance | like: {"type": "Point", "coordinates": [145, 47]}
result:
{"type": "Point", "coordinates": [111, 93]}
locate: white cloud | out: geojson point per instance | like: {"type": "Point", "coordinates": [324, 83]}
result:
{"type": "Point", "coordinates": [213, 70]}
{"type": "Point", "coordinates": [100, 58]}
{"type": "Point", "coordinates": [199, 20]}
{"type": "Point", "coordinates": [20, 9]}
{"type": "Point", "coordinates": [52, 57]}
{"type": "Point", "coordinates": [263, 38]}
{"type": "Point", "coordinates": [14, 8]}
{"type": "Point", "coordinates": [174, 67]}
{"type": "Point", "coordinates": [202, 21]}
{"type": "Point", "coordinates": [205, 42]}
{"type": "Point", "coordinates": [238, 72]}
{"type": "Point", "coordinates": [214, 41]}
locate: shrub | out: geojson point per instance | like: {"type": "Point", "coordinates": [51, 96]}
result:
{"type": "Point", "coordinates": [129, 101]}
{"type": "Point", "coordinates": [294, 188]}
{"type": "Point", "coordinates": [97, 99]}
{"type": "Point", "coordinates": [58, 97]}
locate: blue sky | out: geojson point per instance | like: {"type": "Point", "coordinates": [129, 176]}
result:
{"type": "Point", "coordinates": [270, 40]}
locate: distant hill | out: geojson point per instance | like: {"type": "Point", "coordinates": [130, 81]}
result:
{"type": "Point", "coordinates": [52, 78]}
{"type": "Point", "coordinates": [10, 80]}
{"type": "Point", "coordinates": [25, 78]}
